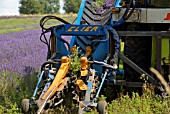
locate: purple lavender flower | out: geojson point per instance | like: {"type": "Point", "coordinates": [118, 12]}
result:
{"type": "Point", "coordinates": [20, 50]}
{"type": "Point", "coordinates": [106, 5]}
{"type": "Point", "coordinates": [23, 52]}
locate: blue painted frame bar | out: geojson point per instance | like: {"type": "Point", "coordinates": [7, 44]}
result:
{"type": "Point", "coordinates": [80, 13]}
{"type": "Point", "coordinates": [100, 87]}
{"type": "Point", "coordinates": [39, 81]}
{"type": "Point", "coordinates": [38, 84]}
{"type": "Point", "coordinates": [117, 3]}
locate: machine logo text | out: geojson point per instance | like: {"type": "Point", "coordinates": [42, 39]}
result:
{"type": "Point", "coordinates": [83, 29]}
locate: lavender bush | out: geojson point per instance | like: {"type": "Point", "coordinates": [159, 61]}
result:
{"type": "Point", "coordinates": [21, 55]}
{"type": "Point", "coordinates": [21, 51]}
{"type": "Point", "coordinates": [101, 5]}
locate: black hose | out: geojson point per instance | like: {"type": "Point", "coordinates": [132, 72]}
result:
{"type": "Point", "coordinates": [46, 18]}
{"type": "Point", "coordinates": [130, 13]}
{"type": "Point", "coordinates": [127, 9]}
{"type": "Point", "coordinates": [46, 30]}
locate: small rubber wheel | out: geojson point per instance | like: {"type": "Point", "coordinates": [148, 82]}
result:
{"type": "Point", "coordinates": [102, 107]}
{"type": "Point", "coordinates": [25, 105]}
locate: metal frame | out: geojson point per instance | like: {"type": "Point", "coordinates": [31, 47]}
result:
{"type": "Point", "coordinates": [159, 35]}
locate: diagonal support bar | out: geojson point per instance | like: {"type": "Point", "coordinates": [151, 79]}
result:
{"type": "Point", "coordinates": [136, 67]}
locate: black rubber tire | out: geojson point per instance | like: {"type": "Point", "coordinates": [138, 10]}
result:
{"type": "Point", "coordinates": [92, 17]}
{"type": "Point", "coordinates": [137, 49]}
{"type": "Point", "coordinates": [25, 105]}
{"type": "Point", "coordinates": [102, 107]}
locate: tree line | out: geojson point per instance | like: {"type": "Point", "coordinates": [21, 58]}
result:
{"type": "Point", "coordinates": [47, 6]}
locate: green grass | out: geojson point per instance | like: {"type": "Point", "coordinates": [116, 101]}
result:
{"type": "Point", "coordinates": [10, 23]}
{"type": "Point", "coordinates": [18, 24]}
{"type": "Point", "coordinates": [5, 31]}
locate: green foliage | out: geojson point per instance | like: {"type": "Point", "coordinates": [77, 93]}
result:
{"type": "Point", "coordinates": [50, 6]}
{"type": "Point", "coordinates": [30, 7]}
{"type": "Point", "coordinates": [39, 6]}
{"type": "Point", "coordinates": [102, 98]}
{"type": "Point", "coordinates": [98, 3]}
{"type": "Point", "coordinates": [145, 104]}
{"type": "Point", "coordinates": [13, 89]}
{"type": "Point", "coordinates": [75, 64]}
{"type": "Point", "coordinates": [72, 6]}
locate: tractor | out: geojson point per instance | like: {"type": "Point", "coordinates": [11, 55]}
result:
{"type": "Point", "coordinates": [85, 57]}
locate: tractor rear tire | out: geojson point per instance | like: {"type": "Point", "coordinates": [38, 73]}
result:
{"type": "Point", "coordinates": [25, 105]}
{"type": "Point", "coordinates": [138, 50]}
{"type": "Point", "coordinates": [102, 107]}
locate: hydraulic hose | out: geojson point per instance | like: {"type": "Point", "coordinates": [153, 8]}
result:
{"type": "Point", "coordinates": [130, 13]}
{"type": "Point", "coordinates": [46, 18]}
{"type": "Point", "coordinates": [127, 9]}
{"type": "Point", "coordinates": [46, 30]}
{"type": "Point", "coordinates": [126, 15]}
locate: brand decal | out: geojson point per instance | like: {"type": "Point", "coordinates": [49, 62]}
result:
{"type": "Point", "coordinates": [167, 17]}
{"type": "Point", "coordinates": [82, 29]}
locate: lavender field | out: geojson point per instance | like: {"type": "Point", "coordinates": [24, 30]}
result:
{"type": "Point", "coordinates": [21, 51]}
{"type": "Point", "coordinates": [21, 56]}
{"type": "Point", "coordinates": [20, 45]}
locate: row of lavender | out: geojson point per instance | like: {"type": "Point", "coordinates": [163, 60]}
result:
{"type": "Point", "coordinates": [21, 51]}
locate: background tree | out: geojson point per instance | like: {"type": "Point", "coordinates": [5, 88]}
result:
{"type": "Point", "coordinates": [30, 7]}
{"type": "Point", "coordinates": [71, 6]}
{"type": "Point", "coordinates": [39, 6]}
{"type": "Point", "coordinates": [47, 9]}
{"type": "Point", "coordinates": [55, 4]}
{"type": "Point", "coordinates": [50, 6]}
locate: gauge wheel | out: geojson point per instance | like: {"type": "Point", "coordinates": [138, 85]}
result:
{"type": "Point", "coordinates": [25, 105]}
{"type": "Point", "coordinates": [102, 107]}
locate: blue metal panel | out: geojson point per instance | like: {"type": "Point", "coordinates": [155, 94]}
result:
{"type": "Point", "coordinates": [100, 55]}
{"type": "Point", "coordinates": [86, 39]}
{"type": "Point", "coordinates": [77, 30]}
{"type": "Point", "coordinates": [81, 44]}
{"type": "Point", "coordinates": [61, 49]}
